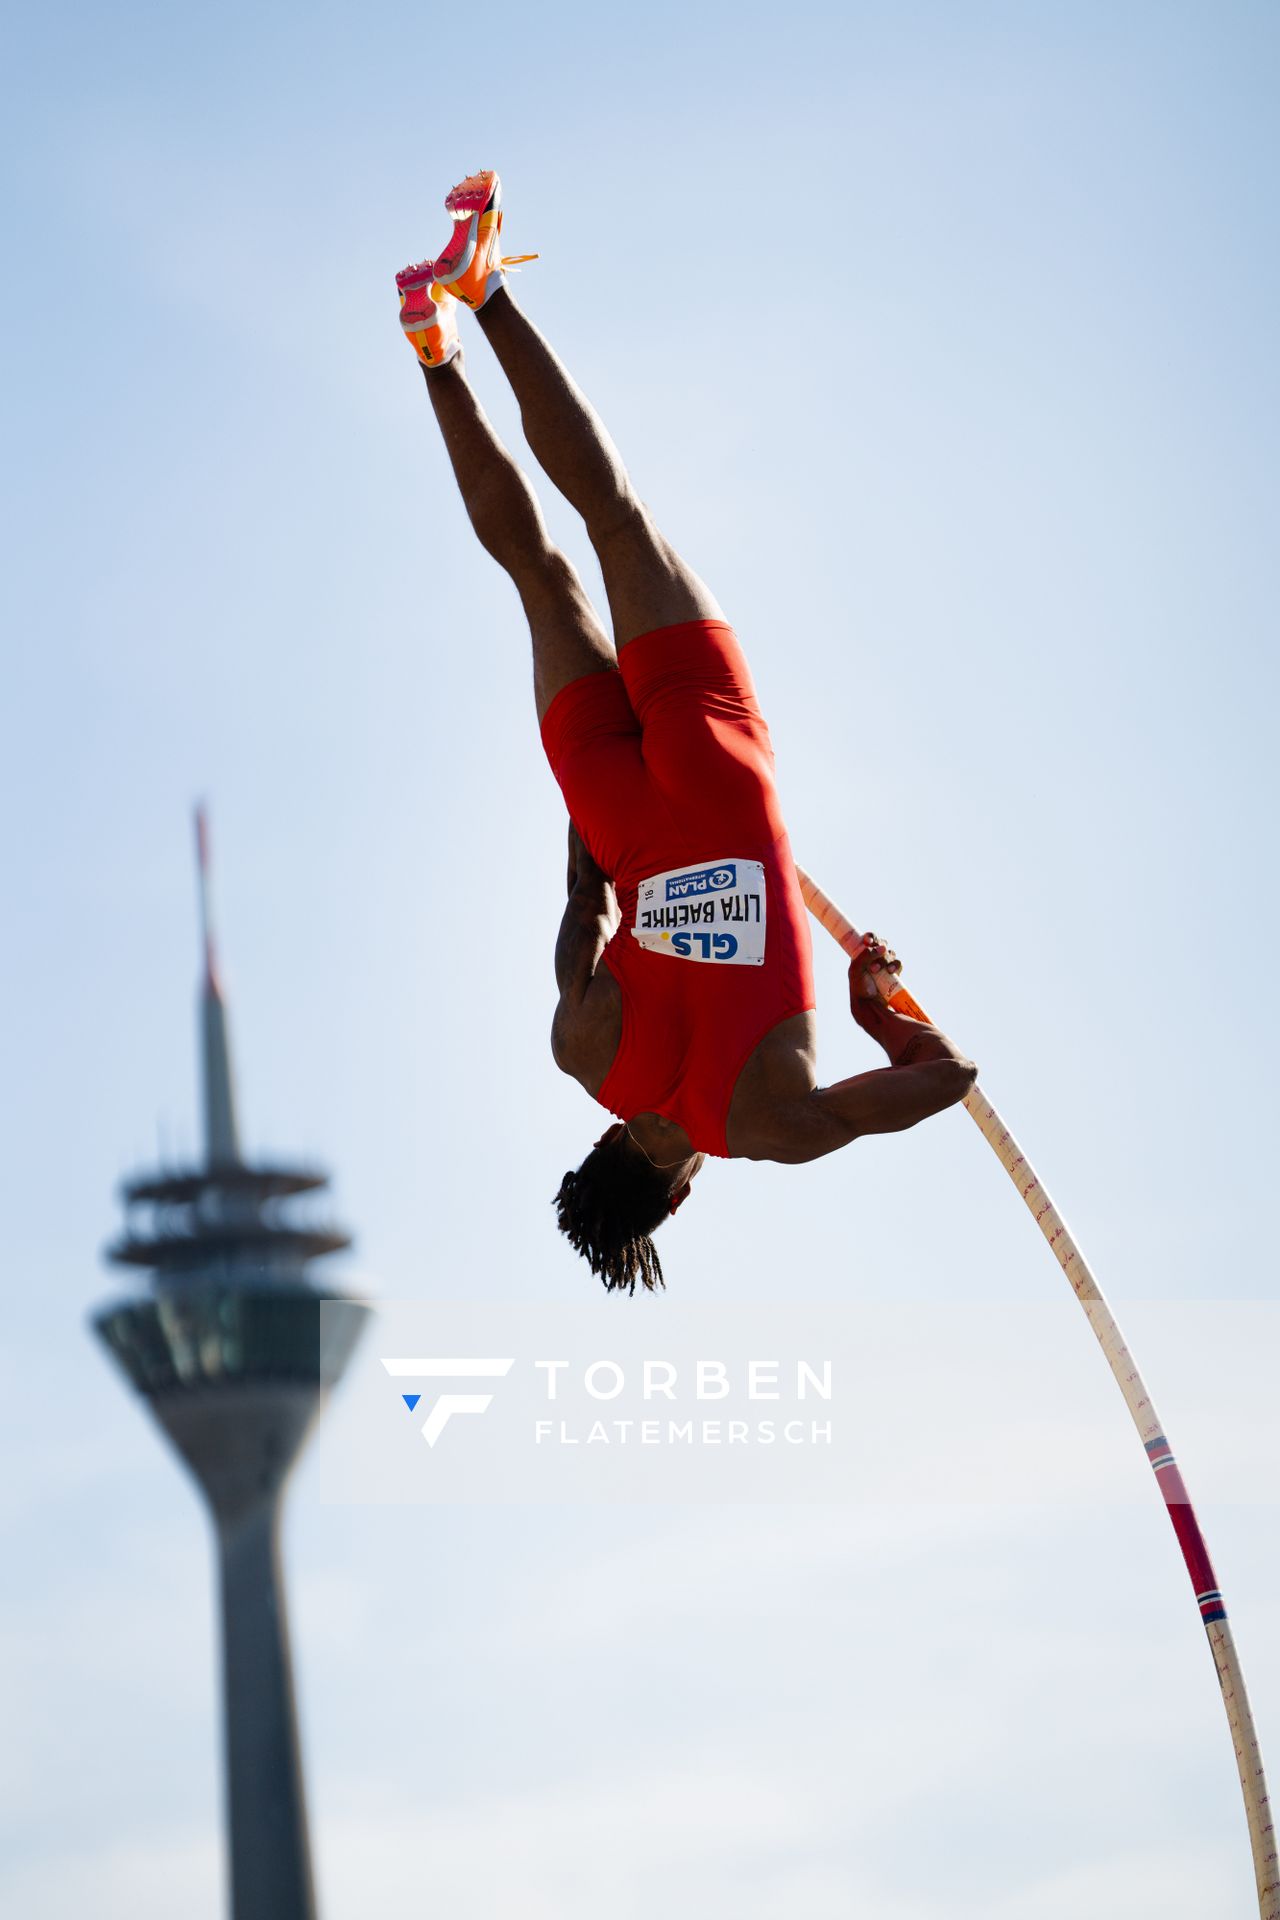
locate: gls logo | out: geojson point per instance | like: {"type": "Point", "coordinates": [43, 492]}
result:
{"type": "Point", "coordinates": [708, 880]}
{"type": "Point", "coordinates": [711, 946]}
{"type": "Point", "coordinates": [446, 1405]}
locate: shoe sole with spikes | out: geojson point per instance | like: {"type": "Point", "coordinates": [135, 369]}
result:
{"type": "Point", "coordinates": [428, 315]}
{"type": "Point", "coordinates": [471, 265]}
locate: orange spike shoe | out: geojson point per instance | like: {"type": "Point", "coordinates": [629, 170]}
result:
{"type": "Point", "coordinates": [471, 266]}
{"type": "Point", "coordinates": [428, 315]}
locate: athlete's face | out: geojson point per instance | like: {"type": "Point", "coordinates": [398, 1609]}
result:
{"type": "Point", "coordinates": [681, 1194]}
{"type": "Point", "coordinates": [684, 1173]}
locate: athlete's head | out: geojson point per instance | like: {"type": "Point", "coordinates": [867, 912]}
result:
{"type": "Point", "coordinates": [614, 1204]}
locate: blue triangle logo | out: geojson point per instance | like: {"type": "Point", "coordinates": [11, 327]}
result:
{"type": "Point", "coordinates": [411, 1400]}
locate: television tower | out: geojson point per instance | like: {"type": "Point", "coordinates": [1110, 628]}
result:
{"type": "Point", "coordinates": [230, 1351]}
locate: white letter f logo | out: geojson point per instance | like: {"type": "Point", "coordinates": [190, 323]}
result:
{"type": "Point", "coordinates": [447, 1404]}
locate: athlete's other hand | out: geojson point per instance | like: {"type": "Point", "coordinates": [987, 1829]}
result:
{"type": "Point", "coordinates": [576, 851]}
{"type": "Point", "coordinates": [581, 865]}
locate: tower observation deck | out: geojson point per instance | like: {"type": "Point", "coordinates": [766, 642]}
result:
{"type": "Point", "coordinates": [227, 1345]}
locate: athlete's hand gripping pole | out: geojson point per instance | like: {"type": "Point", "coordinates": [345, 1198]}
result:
{"type": "Point", "coordinates": [856, 944]}
{"type": "Point", "coordinates": [1213, 1612]}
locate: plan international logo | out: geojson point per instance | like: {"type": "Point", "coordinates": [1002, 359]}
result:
{"type": "Point", "coordinates": [681, 886]}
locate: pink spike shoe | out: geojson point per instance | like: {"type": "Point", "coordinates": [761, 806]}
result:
{"type": "Point", "coordinates": [471, 266]}
{"type": "Point", "coordinates": [428, 315]}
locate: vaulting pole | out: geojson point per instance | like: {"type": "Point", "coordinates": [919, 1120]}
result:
{"type": "Point", "coordinates": [1213, 1612]}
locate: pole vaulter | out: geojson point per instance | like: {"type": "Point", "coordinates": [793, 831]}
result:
{"type": "Point", "coordinates": [683, 961]}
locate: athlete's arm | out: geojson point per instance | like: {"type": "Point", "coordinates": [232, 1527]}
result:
{"type": "Point", "coordinates": [890, 1099]}
{"type": "Point", "coordinates": [589, 922]}
{"type": "Point", "coordinates": [926, 1074]}
{"type": "Point", "coordinates": [930, 1075]}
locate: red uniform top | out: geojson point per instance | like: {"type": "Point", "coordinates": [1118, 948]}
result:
{"type": "Point", "coordinates": [667, 770]}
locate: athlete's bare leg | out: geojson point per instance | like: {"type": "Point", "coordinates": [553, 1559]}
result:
{"type": "Point", "coordinates": [647, 583]}
{"type": "Point", "coordinates": [568, 639]}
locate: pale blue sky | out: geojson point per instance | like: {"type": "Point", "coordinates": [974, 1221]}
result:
{"type": "Point", "coordinates": [941, 338]}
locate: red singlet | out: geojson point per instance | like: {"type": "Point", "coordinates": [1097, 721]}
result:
{"type": "Point", "coordinates": [667, 771]}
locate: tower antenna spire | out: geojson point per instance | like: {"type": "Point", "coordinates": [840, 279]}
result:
{"type": "Point", "coordinates": [206, 903]}
{"type": "Point", "coordinates": [221, 1130]}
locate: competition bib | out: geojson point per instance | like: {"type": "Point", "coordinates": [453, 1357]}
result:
{"type": "Point", "coordinates": [713, 913]}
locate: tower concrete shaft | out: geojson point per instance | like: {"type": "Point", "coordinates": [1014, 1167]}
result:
{"type": "Point", "coordinates": [241, 1444]}
{"type": "Point", "coordinates": [266, 1809]}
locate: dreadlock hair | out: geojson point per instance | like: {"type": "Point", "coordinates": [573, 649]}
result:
{"type": "Point", "coordinates": [608, 1210]}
